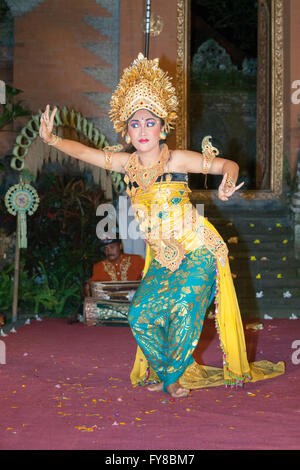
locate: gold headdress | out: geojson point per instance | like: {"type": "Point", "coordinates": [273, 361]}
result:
{"type": "Point", "coordinates": [143, 85]}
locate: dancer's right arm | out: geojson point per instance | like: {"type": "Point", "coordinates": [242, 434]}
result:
{"type": "Point", "coordinates": [76, 149]}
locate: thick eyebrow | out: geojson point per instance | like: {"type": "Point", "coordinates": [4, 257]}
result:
{"type": "Point", "coordinates": [138, 120]}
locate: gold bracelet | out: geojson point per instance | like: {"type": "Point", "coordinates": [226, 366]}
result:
{"type": "Point", "coordinates": [55, 139]}
{"type": "Point", "coordinates": [229, 182]}
{"type": "Point", "coordinates": [108, 159]}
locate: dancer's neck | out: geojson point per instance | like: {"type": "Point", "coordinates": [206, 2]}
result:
{"type": "Point", "coordinates": [148, 159]}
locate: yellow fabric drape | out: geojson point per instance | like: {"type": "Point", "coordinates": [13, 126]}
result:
{"type": "Point", "coordinates": [236, 368]}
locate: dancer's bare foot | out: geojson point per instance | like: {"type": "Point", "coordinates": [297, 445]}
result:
{"type": "Point", "coordinates": [156, 387]}
{"type": "Point", "coordinates": [176, 391]}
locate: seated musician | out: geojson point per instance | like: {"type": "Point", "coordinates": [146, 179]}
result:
{"type": "Point", "coordinates": [117, 266]}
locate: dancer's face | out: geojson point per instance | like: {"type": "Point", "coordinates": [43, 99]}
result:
{"type": "Point", "coordinates": [144, 130]}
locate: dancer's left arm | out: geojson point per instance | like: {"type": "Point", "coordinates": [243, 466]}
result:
{"type": "Point", "coordinates": [193, 162]}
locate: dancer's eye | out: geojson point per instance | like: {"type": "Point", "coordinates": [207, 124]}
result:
{"type": "Point", "coordinates": [134, 125]}
{"type": "Point", "coordinates": [147, 123]}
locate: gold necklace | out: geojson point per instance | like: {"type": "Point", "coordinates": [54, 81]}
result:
{"type": "Point", "coordinates": [146, 176]}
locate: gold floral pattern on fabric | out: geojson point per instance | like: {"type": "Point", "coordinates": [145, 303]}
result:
{"type": "Point", "coordinates": [214, 244]}
{"type": "Point", "coordinates": [169, 253]}
{"type": "Point", "coordinates": [111, 268]}
{"type": "Point", "coordinates": [168, 311]}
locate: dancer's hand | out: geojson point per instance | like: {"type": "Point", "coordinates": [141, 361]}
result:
{"type": "Point", "coordinates": [46, 124]}
{"type": "Point", "coordinates": [227, 188]}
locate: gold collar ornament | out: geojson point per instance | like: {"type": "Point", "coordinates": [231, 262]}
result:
{"type": "Point", "coordinates": [143, 85]}
{"type": "Point", "coordinates": [145, 176]}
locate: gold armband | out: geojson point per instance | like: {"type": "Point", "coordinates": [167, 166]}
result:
{"type": "Point", "coordinates": [108, 153]}
{"type": "Point", "coordinates": [209, 153]}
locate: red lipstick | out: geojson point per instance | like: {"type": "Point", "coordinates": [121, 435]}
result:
{"type": "Point", "coordinates": [143, 141]}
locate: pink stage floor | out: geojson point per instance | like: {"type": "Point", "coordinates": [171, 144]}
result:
{"type": "Point", "coordinates": [67, 387]}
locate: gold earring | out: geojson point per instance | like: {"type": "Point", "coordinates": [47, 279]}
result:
{"type": "Point", "coordinates": [127, 139]}
{"type": "Point", "coordinates": [163, 135]}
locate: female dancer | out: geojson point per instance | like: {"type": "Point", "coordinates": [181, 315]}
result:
{"type": "Point", "coordinates": [186, 263]}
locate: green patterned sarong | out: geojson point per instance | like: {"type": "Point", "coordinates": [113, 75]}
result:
{"type": "Point", "coordinates": [167, 312]}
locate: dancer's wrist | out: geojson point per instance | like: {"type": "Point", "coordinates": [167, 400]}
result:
{"type": "Point", "coordinates": [53, 140]}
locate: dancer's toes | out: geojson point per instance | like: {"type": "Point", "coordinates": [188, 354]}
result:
{"type": "Point", "coordinates": [180, 392]}
{"type": "Point", "coordinates": [176, 391]}
{"type": "Point", "coordinates": [156, 387]}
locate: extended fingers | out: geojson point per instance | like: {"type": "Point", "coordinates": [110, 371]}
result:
{"type": "Point", "coordinates": [53, 115]}
{"type": "Point", "coordinates": [45, 119]}
{"type": "Point", "coordinates": [239, 186]}
{"type": "Point", "coordinates": [235, 188]}
{"type": "Point", "coordinates": [46, 113]}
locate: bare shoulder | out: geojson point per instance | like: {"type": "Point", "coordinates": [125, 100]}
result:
{"type": "Point", "coordinates": [179, 159]}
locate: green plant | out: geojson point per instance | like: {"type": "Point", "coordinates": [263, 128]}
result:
{"type": "Point", "coordinates": [62, 233]}
{"type": "Point", "coordinates": [6, 289]}
{"type": "Point", "coordinates": [26, 290]}
{"type": "Point", "coordinates": [53, 293]}
{"type": "Point", "coordinates": [12, 109]}
{"type": "Point", "coordinates": [62, 244]}
{"type": "Point", "coordinates": [44, 294]}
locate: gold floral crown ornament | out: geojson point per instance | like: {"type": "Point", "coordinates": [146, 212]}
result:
{"type": "Point", "coordinates": [143, 85]}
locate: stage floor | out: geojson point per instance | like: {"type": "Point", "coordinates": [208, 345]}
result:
{"type": "Point", "coordinates": [67, 387]}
